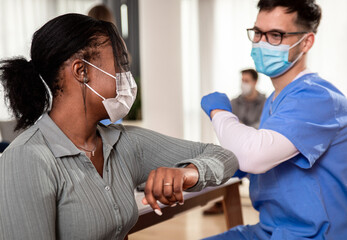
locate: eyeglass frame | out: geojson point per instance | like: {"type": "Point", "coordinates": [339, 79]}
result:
{"type": "Point", "coordinates": [276, 31]}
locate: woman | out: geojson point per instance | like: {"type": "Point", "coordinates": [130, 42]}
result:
{"type": "Point", "coordinates": [68, 177]}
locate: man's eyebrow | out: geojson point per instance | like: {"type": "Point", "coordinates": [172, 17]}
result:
{"type": "Point", "coordinates": [271, 30]}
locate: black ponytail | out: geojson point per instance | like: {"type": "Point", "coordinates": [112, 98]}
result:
{"type": "Point", "coordinates": [54, 43]}
{"type": "Point", "coordinates": [24, 91]}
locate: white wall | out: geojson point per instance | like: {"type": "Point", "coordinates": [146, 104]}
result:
{"type": "Point", "coordinates": [328, 56]}
{"type": "Point", "coordinates": [161, 70]}
{"type": "Point", "coordinates": [207, 22]}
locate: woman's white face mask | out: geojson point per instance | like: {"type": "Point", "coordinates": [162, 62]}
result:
{"type": "Point", "coordinates": [126, 89]}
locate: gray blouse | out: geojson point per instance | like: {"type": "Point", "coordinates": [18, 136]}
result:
{"type": "Point", "coordinates": [49, 189]}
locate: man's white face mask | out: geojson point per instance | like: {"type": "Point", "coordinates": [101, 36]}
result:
{"type": "Point", "coordinates": [246, 89]}
{"type": "Point", "coordinates": [118, 107]}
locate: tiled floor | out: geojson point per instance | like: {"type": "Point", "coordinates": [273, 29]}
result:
{"type": "Point", "coordinates": [194, 225]}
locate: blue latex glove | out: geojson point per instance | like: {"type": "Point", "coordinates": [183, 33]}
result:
{"type": "Point", "coordinates": [214, 101]}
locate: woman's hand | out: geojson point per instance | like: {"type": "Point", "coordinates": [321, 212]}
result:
{"type": "Point", "coordinates": [167, 184]}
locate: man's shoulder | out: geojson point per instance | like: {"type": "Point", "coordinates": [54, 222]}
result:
{"type": "Point", "coordinates": [311, 94]}
{"type": "Point", "coordinates": [314, 86]}
{"type": "Point", "coordinates": [238, 100]}
{"type": "Point", "coordinates": [261, 97]}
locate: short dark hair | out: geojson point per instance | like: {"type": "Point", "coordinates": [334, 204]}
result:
{"type": "Point", "coordinates": [253, 73]}
{"type": "Point", "coordinates": [308, 12]}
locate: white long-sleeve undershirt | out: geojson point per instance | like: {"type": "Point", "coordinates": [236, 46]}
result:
{"type": "Point", "coordinates": [257, 150]}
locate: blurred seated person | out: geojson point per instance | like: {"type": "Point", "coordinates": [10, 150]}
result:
{"type": "Point", "coordinates": [247, 107]}
{"type": "Point", "coordinates": [101, 12]}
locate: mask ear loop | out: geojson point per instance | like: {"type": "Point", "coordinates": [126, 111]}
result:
{"type": "Point", "coordinates": [101, 71]}
{"type": "Point", "coordinates": [298, 42]}
{"type": "Point", "coordinates": [99, 68]}
{"type": "Point", "coordinates": [301, 53]}
{"type": "Point", "coordinates": [86, 84]}
{"type": "Point", "coordinates": [95, 91]}
{"type": "Point", "coordinates": [84, 92]}
{"type": "Point", "coordinates": [50, 95]}
{"type": "Point", "coordinates": [50, 99]}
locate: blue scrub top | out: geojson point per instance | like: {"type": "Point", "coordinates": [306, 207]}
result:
{"type": "Point", "coordinates": [306, 196]}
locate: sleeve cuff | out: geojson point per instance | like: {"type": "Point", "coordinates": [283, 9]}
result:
{"type": "Point", "coordinates": [202, 181]}
{"type": "Point", "coordinates": [222, 115]}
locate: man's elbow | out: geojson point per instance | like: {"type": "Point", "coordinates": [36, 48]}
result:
{"type": "Point", "coordinates": [253, 165]}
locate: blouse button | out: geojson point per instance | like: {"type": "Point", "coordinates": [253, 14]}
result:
{"type": "Point", "coordinates": [107, 188]}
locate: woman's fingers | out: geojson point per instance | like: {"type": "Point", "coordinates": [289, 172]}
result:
{"type": "Point", "coordinates": [158, 185]}
{"type": "Point", "coordinates": [150, 199]}
{"type": "Point", "coordinates": [178, 190]}
{"type": "Point", "coordinates": [172, 177]}
{"type": "Point", "coordinates": [166, 185]}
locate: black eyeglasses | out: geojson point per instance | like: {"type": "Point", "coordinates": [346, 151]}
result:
{"type": "Point", "coordinates": [273, 37]}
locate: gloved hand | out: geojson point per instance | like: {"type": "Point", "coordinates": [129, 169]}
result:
{"type": "Point", "coordinates": [214, 101]}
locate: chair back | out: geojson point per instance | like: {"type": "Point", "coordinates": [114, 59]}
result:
{"type": "Point", "coordinates": [7, 130]}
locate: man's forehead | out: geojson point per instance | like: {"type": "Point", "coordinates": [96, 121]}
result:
{"type": "Point", "coordinates": [246, 75]}
{"type": "Point", "coordinates": [276, 19]}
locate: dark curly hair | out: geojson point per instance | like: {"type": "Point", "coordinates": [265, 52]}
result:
{"type": "Point", "coordinates": [53, 44]}
{"type": "Point", "coordinates": [308, 12]}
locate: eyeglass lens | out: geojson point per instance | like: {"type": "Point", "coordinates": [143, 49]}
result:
{"type": "Point", "coordinates": [274, 38]}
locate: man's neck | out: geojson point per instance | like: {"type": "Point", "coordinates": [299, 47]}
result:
{"type": "Point", "coordinates": [252, 96]}
{"type": "Point", "coordinates": [282, 81]}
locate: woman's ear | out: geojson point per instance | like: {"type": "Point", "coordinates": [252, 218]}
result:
{"type": "Point", "coordinates": [79, 70]}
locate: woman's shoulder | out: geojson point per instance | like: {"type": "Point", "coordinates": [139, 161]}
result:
{"type": "Point", "coordinates": [28, 146]}
{"type": "Point", "coordinates": [28, 160]}
{"type": "Point", "coordinates": [126, 129]}
{"type": "Point", "coordinates": [25, 137]}
{"type": "Point", "coordinates": [129, 134]}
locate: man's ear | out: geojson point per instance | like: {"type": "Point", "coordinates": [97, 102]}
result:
{"type": "Point", "coordinates": [79, 70]}
{"type": "Point", "coordinates": [308, 42]}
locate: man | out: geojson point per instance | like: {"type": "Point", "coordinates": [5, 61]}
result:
{"type": "Point", "coordinates": [247, 107]}
{"type": "Point", "coordinates": [297, 159]}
